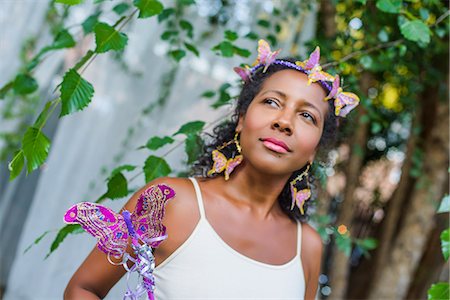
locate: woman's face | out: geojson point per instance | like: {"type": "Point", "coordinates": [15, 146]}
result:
{"type": "Point", "coordinates": [283, 124]}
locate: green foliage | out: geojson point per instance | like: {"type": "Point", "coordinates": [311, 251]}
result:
{"type": "Point", "coordinates": [155, 167]}
{"type": "Point", "coordinates": [62, 234]}
{"type": "Point", "coordinates": [35, 146]}
{"type": "Point", "coordinates": [121, 8]}
{"type": "Point", "coordinates": [90, 22]}
{"type": "Point", "coordinates": [16, 165]}
{"type": "Point", "coordinates": [107, 38]}
{"type": "Point", "coordinates": [76, 93]}
{"type": "Point", "coordinates": [439, 291]}
{"type": "Point", "coordinates": [148, 8]}
{"type": "Point", "coordinates": [24, 84]}
{"type": "Point", "coordinates": [36, 241]}
{"type": "Point", "coordinates": [157, 142]}
{"type": "Point", "coordinates": [193, 148]}
{"type": "Point", "coordinates": [344, 243]}
{"type": "Point", "coordinates": [445, 243]}
{"type": "Point", "coordinates": [190, 128]}
{"type": "Point", "coordinates": [416, 31]}
{"type": "Point", "coordinates": [224, 97]}
{"type": "Point", "coordinates": [389, 6]}
{"type": "Point", "coordinates": [69, 2]}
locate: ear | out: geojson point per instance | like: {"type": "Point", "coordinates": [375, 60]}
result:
{"type": "Point", "coordinates": [240, 123]}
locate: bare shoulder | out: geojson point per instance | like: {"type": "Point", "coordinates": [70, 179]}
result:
{"type": "Point", "coordinates": [311, 240]}
{"type": "Point", "coordinates": [311, 255]}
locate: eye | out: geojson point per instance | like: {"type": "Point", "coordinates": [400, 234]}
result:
{"type": "Point", "coordinates": [271, 102]}
{"type": "Point", "coordinates": [308, 116]}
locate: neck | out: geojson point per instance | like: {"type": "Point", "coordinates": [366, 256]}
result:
{"type": "Point", "coordinates": [256, 192]}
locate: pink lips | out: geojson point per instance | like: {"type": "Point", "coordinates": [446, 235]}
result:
{"type": "Point", "coordinates": [276, 145]}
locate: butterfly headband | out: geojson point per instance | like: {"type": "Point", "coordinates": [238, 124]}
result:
{"type": "Point", "coordinates": [344, 102]}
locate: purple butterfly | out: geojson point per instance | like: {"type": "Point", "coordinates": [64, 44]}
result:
{"type": "Point", "coordinates": [244, 73]}
{"type": "Point", "coordinates": [344, 102]}
{"type": "Point", "coordinates": [265, 55]}
{"type": "Point", "coordinates": [110, 227]}
{"type": "Point", "coordinates": [312, 66]}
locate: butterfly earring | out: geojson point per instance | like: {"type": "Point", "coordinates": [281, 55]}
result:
{"type": "Point", "coordinates": [222, 163]}
{"type": "Point", "coordinates": [299, 197]}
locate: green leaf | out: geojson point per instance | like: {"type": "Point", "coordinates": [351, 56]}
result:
{"type": "Point", "coordinates": [15, 166]}
{"type": "Point", "coordinates": [157, 142]}
{"type": "Point", "coordinates": [389, 6]}
{"type": "Point", "coordinates": [69, 2]}
{"type": "Point", "coordinates": [187, 26]}
{"type": "Point", "coordinates": [416, 31]}
{"type": "Point", "coordinates": [5, 89]}
{"type": "Point", "coordinates": [119, 169]}
{"type": "Point", "coordinates": [165, 14]}
{"type": "Point", "coordinates": [368, 243]}
{"type": "Point", "coordinates": [62, 40]}
{"type": "Point", "coordinates": [76, 93]}
{"type": "Point", "coordinates": [62, 234]}
{"type": "Point", "coordinates": [177, 55]}
{"type": "Point", "coordinates": [193, 147]}
{"type": "Point", "coordinates": [24, 84]}
{"type": "Point", "coordinates": [42, 118]}
{"type": "Point", "coordinates": [168, 34]}
{"type": "Point", "coordinates": [117, 186]}
{"type": "Point", "coordinates": [226, 48]}
{"type": "Point", "coordinates": [107, 38]}
{"type": "Point", "coordinates": [445, 243]}
{"type": "Point", "coordinates": [35, 147]}
{"type": "Point", "coordinates": [439, 291]}
{"type": "Point", "coordinates": [36, 241]}
{"type": "Point", "coordinates": [83, 60]}
{"type": "Point", "coordinates": [344, 243]}
{"type": "Point", "coordinates": [224, 99]}
{"type": "Point", "coordinates": [263, 23]}
{"type": "Point", "coordinates": [444, 207]}
{"type": "Point", "coordinates": [231, 35]}
{"type": "Point", "coordinates": [155, 167]}
{"type": "Point", "coordinates": [192, 48]}
{"type": "Point", "coordinates": [190, 128]}
{"type": "Point", "coordinates": [187, 2]}
{"type": "Point", "coordinates": [89, 23]}
{"type": "Point", "coordinates": [252, 36]}
{"type": "Point", "coordinates": [121, 8]}
{"type": "Point", "coordinates": [148, 8]}
{"type": "Point", "coordinates": [208, 94]}
{"type": "Point", "coordinates": [241, 51]}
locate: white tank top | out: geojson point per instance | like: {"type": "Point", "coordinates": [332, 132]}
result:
{"type": "Point", "coordinates": [205, 267]}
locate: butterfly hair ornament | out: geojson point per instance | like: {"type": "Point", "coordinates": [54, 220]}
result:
{"type": "Point", "coordinates": [143, 227]}
{"type": "Point", "coordinates": [344, 102]}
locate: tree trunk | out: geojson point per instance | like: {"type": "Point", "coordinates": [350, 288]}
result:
{"type": "Point", "coordinates": [409, 245]}
{"type": "Point", "coordinates": [395, 205]}
{"type": "Point", "coordinates": [340, 271]}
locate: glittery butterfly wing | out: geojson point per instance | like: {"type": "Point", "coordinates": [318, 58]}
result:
{"type": "Point", "coordinates": [220, 162]}
{"type": "Point", "coordinates": [244, 73]}
{"type": "Point", "coordinates": [334, 89]}
{"type": "Point", "coordinates": [265, 55]}
{"type": "Point", "coordinates": [317, 75]}
{"type": "Point", "coordinates": [345, 102]}
{"type": "Point", "coordinates": [231, 164]}
{"type": "Point", "coordinates": [313, 59]}
{"type": "Point", "coordinates": [149, 213]}
{"type": "Point", "coordinates": [300, 197]}
{"type": "Point", "coordinates": [101, 222]}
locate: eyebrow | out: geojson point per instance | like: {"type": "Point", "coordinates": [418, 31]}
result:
{"type": "Point", "coordinates": [306, 102]}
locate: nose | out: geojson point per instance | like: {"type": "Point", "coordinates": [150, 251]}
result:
{"type": "Point", "coordinates": [282, 124]}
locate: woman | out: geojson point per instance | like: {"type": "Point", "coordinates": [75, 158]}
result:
{"type": "Point", "coordinates": [238, 236]}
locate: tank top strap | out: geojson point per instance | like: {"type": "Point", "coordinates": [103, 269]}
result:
{"type": "Point", "coordinates": [198, 195]}
{"type": "Point", "coordinates": [299, 237]}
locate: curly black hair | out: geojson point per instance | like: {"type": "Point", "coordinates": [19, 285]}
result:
{"type": "Point", "coordinates": [225, 132]}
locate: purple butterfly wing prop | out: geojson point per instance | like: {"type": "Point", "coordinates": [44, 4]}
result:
{"type": "Point", "coordinates": [103, 223]}
{"type": "Point", "coordinates": [149, 213]}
